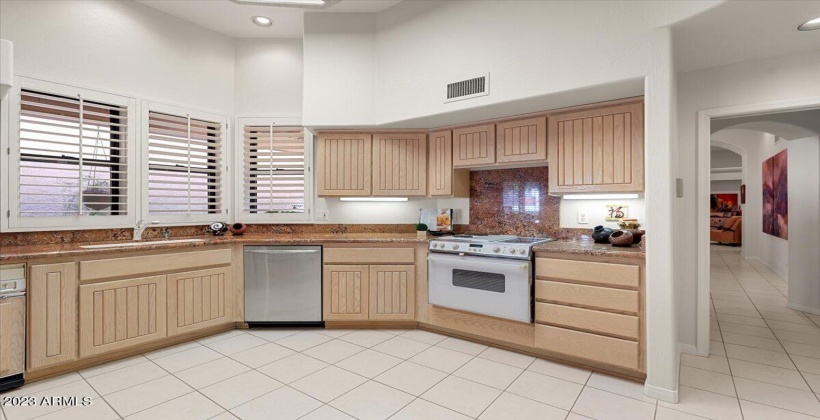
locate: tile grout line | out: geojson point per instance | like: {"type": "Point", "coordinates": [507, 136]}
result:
{"type": "Point", "coordinates": [508, 386]}
{"type": "Point", "coordinates": [720, 330]}
{"type": "Point", "coordinates": [582, 391]}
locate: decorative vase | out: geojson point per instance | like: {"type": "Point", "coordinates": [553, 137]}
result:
{"type": "Point", "coordinates": [621, 238]}
{"type": "Point", "coordinates": [600, 234]}
{"type": "Point", "coordinates": [238, 228]}
{"type": "Point", "coordinates": [637, 234]}
{"type": "Point", "coordinates": [421, 234]}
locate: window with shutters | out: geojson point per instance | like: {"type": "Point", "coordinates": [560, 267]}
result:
{"type": "Point", "coordinates": [70, 166]}
{"type": "Point", "coordinates": [275, 171]}
{"type": "Point", "coordinates": [185, 165]}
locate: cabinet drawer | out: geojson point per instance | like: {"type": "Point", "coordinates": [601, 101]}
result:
{"type": "Point", "coordinates": [591, 296]}
{"type": "Point", "coordinates": [626, 326]}
{"type": "Point", "coordinates": [369, 255]}
{"type": "Point", "coordinates": [150, 264]}
{"type": "Point", "coordinates": [602, 349]}
{"type": "Point", "coordinates": [590, 272]}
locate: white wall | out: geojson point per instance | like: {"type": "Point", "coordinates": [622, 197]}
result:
{"type": "Point", "coordinates": [596, 212]}
{"type": "Point", "coordinates": [726, 187]}
{"type": "Point", "coordinates": [725, 159]}
{"type": "Point", "coordinates": [123, 47]}
{"type": "Point", "coordinates": [269, 77]}
{"type": "Point", "coordinates": [340, 70]}
{"type": "Point", "coordinates": [804, 224]}
{"type": "Point", "coordinates": [769, 80]}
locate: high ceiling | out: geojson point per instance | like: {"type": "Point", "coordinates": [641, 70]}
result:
{"type": "Point", "coordinates": [234, 19]}
{"type": "Point", "coordinates": [737, 31]}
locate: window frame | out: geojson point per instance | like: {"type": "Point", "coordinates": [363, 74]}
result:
{"type": "Point", "coordinates": [16, 223]}
{"type": "Point", "coordinates": [239, 214]}
{"type": "Point", "coordinates": [181, 219]}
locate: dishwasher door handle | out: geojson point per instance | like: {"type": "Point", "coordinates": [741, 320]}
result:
{"type": "Point", "coordinates": [283, 251]}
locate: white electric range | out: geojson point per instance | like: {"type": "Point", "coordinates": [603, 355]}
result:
{"type": "Point", "coordinates": [486, 274]}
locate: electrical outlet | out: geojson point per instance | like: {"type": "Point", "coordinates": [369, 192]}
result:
{"type": "Point", "coordinates": [582, 218]}
{"type": "Point", "coordinates": [321, 215]}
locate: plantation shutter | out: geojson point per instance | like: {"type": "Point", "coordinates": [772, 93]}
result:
{"type": "Point", "coordinates": [273, 170]}
{"type": "Point", "coordinates": [184, 165]}
{"type": "Point", "coordinates": [72, 156]}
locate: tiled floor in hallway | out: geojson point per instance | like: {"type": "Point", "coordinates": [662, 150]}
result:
{"type": "Point", "coordinates": [765, 358]}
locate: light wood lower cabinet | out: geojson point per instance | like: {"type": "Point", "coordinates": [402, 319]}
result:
{"type": "Point", "coordinates": [613, 351]}
{"type": "Point", "coordinates": [52, 330]}
{"type": "Point", "coordinates": [199, 299]}
{"type": "Point", "coordinates": [122, 313]}
{"type": "Point", "coordinates": [391, 291]}
{"type": "Point", "coordinates": [12, 335]}
{"type": "Point", "coordinates": [345, 292]}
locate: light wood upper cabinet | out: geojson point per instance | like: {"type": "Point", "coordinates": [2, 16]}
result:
{"type": "Point", "coordinates": [12, 335]}
{"type": "Point", "coordinates": [199, 299]}
{"type": "Point", "coordinates": [52, 331]}
{"type": "Point", "coordinates": [474, 146]}
{"type": "Point", "coordinates": [118, 314]}
{"type": "Point", "coordinates": [343, 164]}
{"type": "Point", "coordinates": [521, 140]}
{"type": "Point", "coordinates": [597, 150]}
{"type": "Point", "coordinates": [392, 292]}
{"type": "Point", "coordinates": [345, 292]}
{"type": "Point", "coordinates": [443, 180]}
{"type": "Point", "coordinates": [400, 164]}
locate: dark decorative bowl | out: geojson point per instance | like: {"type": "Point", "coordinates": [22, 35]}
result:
{"type": "Point", "coordinates": [600, 234]}
{"type": "Point", "coordinates": [238, 228]}
{"type": "Point", "coordinates": [637, 234]}
{"type": "Point", "coordinates": [621, 238]}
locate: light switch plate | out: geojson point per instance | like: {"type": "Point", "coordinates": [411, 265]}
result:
{"type": "Point", "coordinates": [321, 215]}
{"type": "Point", "coordinates": [582, 218]}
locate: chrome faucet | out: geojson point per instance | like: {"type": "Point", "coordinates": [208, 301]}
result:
{"type": "Point", "coordinates": [141, 226]}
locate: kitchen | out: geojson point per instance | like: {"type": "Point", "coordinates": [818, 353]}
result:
{"type": "Point", "coordinates": [241, 217]}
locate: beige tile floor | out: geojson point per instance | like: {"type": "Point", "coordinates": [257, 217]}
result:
{"type": "Point", "coordinates": [765, 365]}
{"type": "Point", "coordinates": [765, 358]}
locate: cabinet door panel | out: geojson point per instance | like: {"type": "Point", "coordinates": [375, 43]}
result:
{"type": "Point", "coordinates": [345, 292]}
{"type": "Point", "coordinates": [392, 292]}
{"type": "Point", "coordinates": [474, 146]}
{"type": "Point", "coordinates": [12, 334]}
{"type": "Point", "coordinates": [443, 180]}
{"type": "Point", "coordinates": [597, 150]}
{"type": "Point", "coordinates": [122, 313]}
{"type": "Point", "coordinates": [343, 164]}
{"type": "Point", "coordinates": [199, 299]}
{"type": "Point", "coordinates": [522, 140]}
{"type": "Point", "coordinates": [52, 333]}
{"type": "Point", "coordinates": [400, 164]}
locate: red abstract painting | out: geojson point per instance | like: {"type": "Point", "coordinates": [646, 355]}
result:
{"type": "Point", "coordinates": [775, 196]}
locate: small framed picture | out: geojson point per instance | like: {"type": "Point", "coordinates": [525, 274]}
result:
{"type": "Point", "coordinates": [743, 194]}
{"type": "Point", "coordinates": [616, 212]}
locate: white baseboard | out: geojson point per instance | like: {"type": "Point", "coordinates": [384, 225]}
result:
{"type": "Point", "coordinates": [662, 394]}
{"type": "Point", "coordinates": [770, 267]}
{"type": "Point", "coordinates": [803, 308]}
{"type": "Point", "coordinates": [692, 349]}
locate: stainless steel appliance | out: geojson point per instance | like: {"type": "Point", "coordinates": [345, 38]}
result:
{"type": "Point", "coordinates": [283, 285]}
{"type": "Point", "coordinates": [12, 325]}
{"type": "Point", "coordinates": [490, 275]}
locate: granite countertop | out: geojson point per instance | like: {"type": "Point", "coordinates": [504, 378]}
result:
{"type": "Point", "coordinates": [584, 245]}
{"type": "Point", "coordinates": [25, 252]}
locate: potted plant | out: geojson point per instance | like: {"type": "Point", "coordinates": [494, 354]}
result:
{"type": "Point", "coordinates": [421, 230]}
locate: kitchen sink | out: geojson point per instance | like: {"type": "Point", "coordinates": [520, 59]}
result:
{"type": "Point", "coordinates": [133, 244]}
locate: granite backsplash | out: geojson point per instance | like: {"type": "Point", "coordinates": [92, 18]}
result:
{"type": "Point", "coordinates": [515, 202]}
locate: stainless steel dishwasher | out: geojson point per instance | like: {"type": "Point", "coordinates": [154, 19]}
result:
{"type": "Point", "coordinates": [283, 285]}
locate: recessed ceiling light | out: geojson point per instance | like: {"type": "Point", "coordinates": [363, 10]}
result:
{"type": "Point", "coordinates": [305, 4]}
{"type": "Point", "coordinates": [262, 21]}
{"type": "Point", "coordinates": [811, 25]}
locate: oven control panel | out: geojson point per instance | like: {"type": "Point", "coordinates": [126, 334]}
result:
{"type": "Point", "coordinates": [485, 249]}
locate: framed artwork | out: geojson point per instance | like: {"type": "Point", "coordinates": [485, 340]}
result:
{"type": "Point", "coordinates": [723, 202]}
{"type": "Point", "coordinates": [775, 196]}
{"type": "Point", "coordinates": [616, 212]}
{"type": "Point", "coordinates": [743, 194]}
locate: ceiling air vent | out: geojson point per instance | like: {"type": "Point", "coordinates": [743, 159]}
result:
{"type": "Point", "coordinates": [470, 88]}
